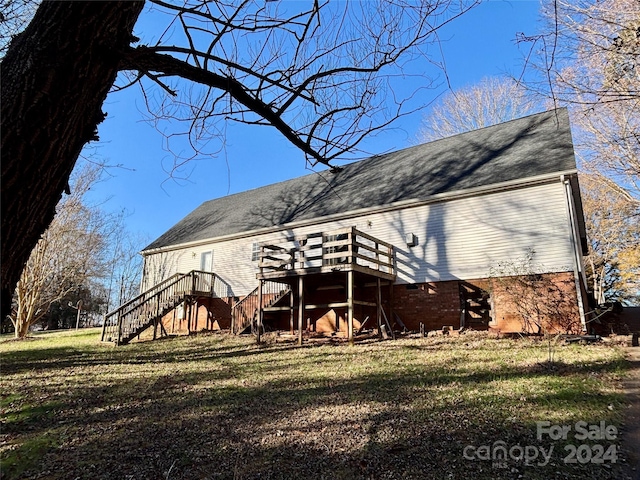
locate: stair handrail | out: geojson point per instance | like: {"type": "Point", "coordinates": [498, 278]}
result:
{"type": "Point", "coordinates": [276, 290]}
{"type": "Point", "coordinates": [156, 292]}
{"type": "Point", "coordinates": [167, 280]}
{"type": "Point", "coordinates": [139, 302]}
{"type": "Point", "coordinates": [239, 307]}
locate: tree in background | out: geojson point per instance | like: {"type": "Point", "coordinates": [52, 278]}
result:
{"type": "Point", "coordinates": [84, 255]}
{"type": "Point", "coordinates": [14, 17]}
{"type": "Point", "coordinates": [320, 73]}
{"type": "Point", "coordinates": [125, 264]}
{"type": "Point", "coordinates": [70, 252]}
{"type": "Point", "coordinates": [494, 100]}
{"type": "Point", "coordinates": [589, 61]}
{"type": "Point", "coordinates": [63, 313]}
{"type": "Point", "coordinates": [613, 230]}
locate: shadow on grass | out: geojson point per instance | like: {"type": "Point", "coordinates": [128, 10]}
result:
{"type": "Point", "coordinates": [411, 420]}
{"type": "Point", "coordinates": [55, 358]}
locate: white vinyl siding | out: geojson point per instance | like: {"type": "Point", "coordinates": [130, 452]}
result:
{"type": "Point", "coordinates": [457, 239]}
{"type": "Point", "coordinates": [462, 239]}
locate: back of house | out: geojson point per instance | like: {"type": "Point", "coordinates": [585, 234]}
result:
{"type": "Point", "coordinates": [461, 232]}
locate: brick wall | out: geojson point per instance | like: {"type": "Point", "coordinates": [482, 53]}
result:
{"type": "Point", "coordinates": [206, 314]}
{"type": "Point", "coordinates": [433, 304]}
{"type": "Point", "coordinates": [565, 316]}
{"type": "Point", "coordinates": [438, 304]}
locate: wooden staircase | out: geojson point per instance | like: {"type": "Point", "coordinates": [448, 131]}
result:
{"type": "Point", "coordinates": [475, 306]}
{"type": "Point", "coordinates": [147, 309]}
{"type": "Point", "coordinates": [244, 313]}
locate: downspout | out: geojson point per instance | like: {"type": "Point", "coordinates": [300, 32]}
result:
{"type": "Point", "coordinates": [578, 272]}
{"type": "Point", "coordinates": [143, 277]}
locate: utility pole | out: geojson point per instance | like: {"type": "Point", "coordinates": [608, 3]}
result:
{"type": "Point", "coordinates": [78, 307]}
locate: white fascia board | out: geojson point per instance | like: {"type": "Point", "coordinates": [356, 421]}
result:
{"type": "Point", "coordinates": [438, 198]}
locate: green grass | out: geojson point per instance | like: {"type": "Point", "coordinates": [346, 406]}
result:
{"type": "Point", "coordinates": [217, 406]}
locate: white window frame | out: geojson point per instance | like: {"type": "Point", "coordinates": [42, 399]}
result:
{"type": "Point", "coordinates": [203, 261]}
{"type": "Point", "coordinates": [255, 252]}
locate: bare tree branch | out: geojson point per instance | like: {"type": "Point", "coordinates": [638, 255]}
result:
{"type": "Point", "coordinates": [590, 62]}
{"type": "Point", "coordinates": [322, 75]}
{"type": "Point", "coordinates": [144, 59]}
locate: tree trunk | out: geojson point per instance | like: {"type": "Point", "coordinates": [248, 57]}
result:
{"type": "Point", "coordinates": [22, 329]}
{"type": "Point", "coordinates": [55, 78]}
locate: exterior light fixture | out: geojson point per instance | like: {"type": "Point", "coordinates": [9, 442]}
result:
{"type": "Point", "coordinates": [411, 239]}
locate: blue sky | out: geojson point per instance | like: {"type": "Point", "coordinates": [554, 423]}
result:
{"type": "Point", "coordinates": [479, 44]}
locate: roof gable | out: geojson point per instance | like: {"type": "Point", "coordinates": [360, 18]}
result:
{"type": "Point", "coordinates": [527, 147]}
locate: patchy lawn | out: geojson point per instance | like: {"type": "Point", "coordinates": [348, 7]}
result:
{"type": "Point", "coordinates": [217, 406]}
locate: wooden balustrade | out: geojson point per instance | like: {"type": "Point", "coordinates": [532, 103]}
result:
{"type": "Point", "coordinates": [141, 312]}
{"type": "Point", "coordinates": [244, 312]}
{"type": "Point", "coordinates": [326, 251]}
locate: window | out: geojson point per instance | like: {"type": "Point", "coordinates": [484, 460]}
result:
{"type": "Point", "coordinates": [255, 252]}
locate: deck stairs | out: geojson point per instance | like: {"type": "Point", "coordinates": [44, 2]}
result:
{"type": "Point", "coordinates": [244, 313]}
{"type": "Point", "coordinates": [475, 306]}
{"type": "Point", "coordinates": [147, 309]}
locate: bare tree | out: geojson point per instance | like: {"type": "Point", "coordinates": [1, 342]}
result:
{"type": "Point", "coordinates": [492, 101]}
{"type": "Point", "coordinates": [590, 61]}
{"type": "Point", "coordinates": [14, 17]}
{"type": "Point", "coordinates": [70, 252]}
{"type": "Point", "coordinates": [613, 229]}
{"type": "Point", "coordinates": [321, 73]}
{"type": "Point", "coordinates": [125, 263]}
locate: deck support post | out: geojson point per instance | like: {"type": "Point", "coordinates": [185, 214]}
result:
{"type": "Point", "coordinates": [300, 307]}
{"type": "Point", "coordinates": [233, 315]}
{"type": "Point", "coordinates": [379, 306]}
{"type": "Point", "coordinates": [390, 319]}
{"type": "Point", "coordinates": [291, 311]}
{"type": "Point", "coordinates": [194, 314]}
{"type": "Point", "coordinates": [350, 306]}
{"type": "Point", "coordinates": [119, 337]}
{"type": "Point", "coordinates": [260, 311]}
{"type": "Point", "coordinates": [104, 327]}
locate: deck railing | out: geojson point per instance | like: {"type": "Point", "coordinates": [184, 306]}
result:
{"type": "Point", "coordinates": [244, 312]}
{"type": "Point", "coordinates": [347, 246]}
{"type": "Point", "coordinates": [139, 313]}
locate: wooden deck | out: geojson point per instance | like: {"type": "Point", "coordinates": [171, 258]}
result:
{"type": "Point", "coordinates": [343, 250]}
{"type": "Point", "coordinates": [322, 258]}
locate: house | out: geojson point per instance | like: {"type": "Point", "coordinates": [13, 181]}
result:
{"type": "Point", "coordinates": [409, 239]}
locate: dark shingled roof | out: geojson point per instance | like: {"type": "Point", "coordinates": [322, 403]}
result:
{"type": "Point", "coordinates": [535, 145]}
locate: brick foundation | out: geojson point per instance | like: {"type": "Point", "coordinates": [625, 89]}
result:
{"type": "Point", "coordinates": [435, 305]}
{"type": "Point", "coordinates": [438, 304]}
{"type": "Point", "coordinates": [432, 304]}
{"type": "Point", "coordinates": [206, 314]}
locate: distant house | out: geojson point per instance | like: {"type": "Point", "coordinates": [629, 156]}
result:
{"type": "Point", "coordinates": [395, 240]}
